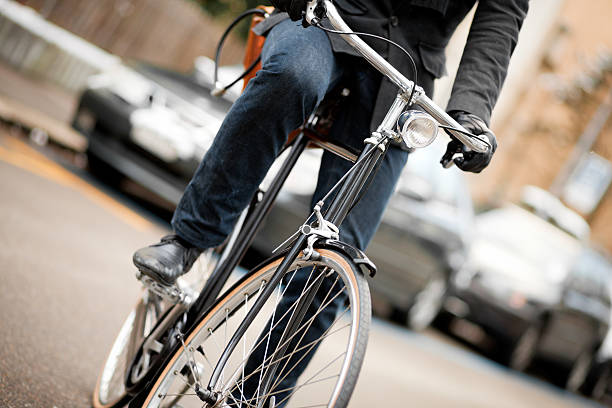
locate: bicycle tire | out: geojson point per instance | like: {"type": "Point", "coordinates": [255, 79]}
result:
{"type": "Point", "coordinates": [190, 363]}
{"type": "Point", "coordinates": [111, 386]}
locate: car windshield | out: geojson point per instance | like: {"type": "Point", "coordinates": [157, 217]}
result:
{"type": "Point", "coordinates": [593, 267]}
{"type": "Point", "coordinates": [186, 87]}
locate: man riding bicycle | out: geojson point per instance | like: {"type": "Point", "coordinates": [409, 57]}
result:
{"type": "Point", "coordinates": [299, 67]}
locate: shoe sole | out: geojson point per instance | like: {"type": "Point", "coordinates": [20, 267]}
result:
{"type": "Point", "coordinates": [154, 275]}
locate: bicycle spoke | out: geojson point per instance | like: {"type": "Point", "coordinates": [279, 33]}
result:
{"type": "Point", "coordinates": [190, 360]}
{"type": "Point", "coordinates": [246, 310]}
{"type": "Point", "coordinates": [298, 387]}
{"type": "Point", "coordinates": [177, 395]}
{"type": "Point", "coordinates": [327, 334]}
{"type": "Point", "coordinates": [225, 342]}
{"type": "Point", "coordinates": [296, 302]}
{"type": "Point", "coordinates": [323, 337]}
{"type": "Point", "coordinates": [200, 350]}
{"type": "Point", "coordinates": [179, 375]}
{"type": "Point", "coordinates": [294, 350]}
{"type": "Point", "coordinates": [306, 328]}
{"type": "Point", "coordinates": [310, 347]}
{"type": "Point", "coordinates": [306, 382]}
{"type": "Point", "coordinates": [289, 310]}
{"type": "Point", "coordinates": [269, 335]}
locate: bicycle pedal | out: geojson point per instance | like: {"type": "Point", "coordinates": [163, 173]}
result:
{"type": "Point", "coordinates": [170, 293]}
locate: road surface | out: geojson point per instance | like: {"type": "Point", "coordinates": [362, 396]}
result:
{"type": "Point", "coordinates": [67, 283]}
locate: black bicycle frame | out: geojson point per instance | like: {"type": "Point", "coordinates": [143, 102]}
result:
{"type": "Point", "coordinates": [338, 210]}
{"type": "Point", "coordinates": [222, 272]}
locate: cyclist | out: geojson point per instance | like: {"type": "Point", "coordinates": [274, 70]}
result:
{"type": "Point", "coordinates": [299, 66]}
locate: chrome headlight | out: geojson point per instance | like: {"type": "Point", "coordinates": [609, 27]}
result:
{"type": "Point", "coordinates": [417, 129]}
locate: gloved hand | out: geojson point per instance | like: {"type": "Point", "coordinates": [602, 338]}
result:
{"type": "Point", "coordinates": [470, 161]}
{"type": "Point", "coordinates": [293, 7]}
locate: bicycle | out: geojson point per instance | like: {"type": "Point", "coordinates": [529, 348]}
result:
{"type": "Point", "coordinates": [199, 344]}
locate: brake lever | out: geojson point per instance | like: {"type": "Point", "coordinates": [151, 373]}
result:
{"type": "Point", "coordinates": [315, 12]}
{"type": "Point", "coordinates": [448, 158]}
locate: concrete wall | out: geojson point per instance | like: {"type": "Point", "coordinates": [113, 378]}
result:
{"type": "Point", "coordinates": [31, 44]}
{"type": "Point", "coordinates": [170, 33]}
{"type": "Point", "coordinates": [541, 21]}
{"type": "Point", "coordinates": [568, 82]}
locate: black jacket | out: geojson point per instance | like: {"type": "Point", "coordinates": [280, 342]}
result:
{"type": "Point", "coordinates": [424, 27]}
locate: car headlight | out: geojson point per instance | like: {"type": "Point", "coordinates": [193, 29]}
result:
{"type": "Point", "coordinates": [417, 129]}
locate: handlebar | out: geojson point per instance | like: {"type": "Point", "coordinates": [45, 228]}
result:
{"type": "Point", "coordinates": [317, 9]}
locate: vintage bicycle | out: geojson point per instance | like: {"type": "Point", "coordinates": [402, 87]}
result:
{"type": "Point", "coordinates": [294, 329]}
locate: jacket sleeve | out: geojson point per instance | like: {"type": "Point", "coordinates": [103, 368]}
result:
{"type": "Point", "coordinates": [484, 64]}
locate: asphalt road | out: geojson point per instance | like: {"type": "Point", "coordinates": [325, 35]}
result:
{"type": "Point", "coordinates": [67, 283]}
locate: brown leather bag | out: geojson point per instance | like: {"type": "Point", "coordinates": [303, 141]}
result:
{"type": "Point", "coordinates": [326, 111]}
{"type": "Point", "coordinates": [254, 45]}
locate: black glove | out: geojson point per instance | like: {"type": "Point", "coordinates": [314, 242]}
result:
{"type": "Point", "coordinates": [295, 8]}
{"type": "Point", "coordinates": [470, 161]}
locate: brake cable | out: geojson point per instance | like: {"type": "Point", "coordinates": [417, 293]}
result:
{"type": "Point", "coordinates": [218, 91]}
{"type": "Point", "coordinates": [378, 37]}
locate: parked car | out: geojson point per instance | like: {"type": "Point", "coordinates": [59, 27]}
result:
{"type": "Point", "coordinates": [150, 125]}
{"type": "Point", "coordinates": [598, 381]}
{"type": "Point", "coordinates": [532, 286]}
{"type": "Point", "coordinates": [423, 236]}
{"type": "Point", "coordinates": [153, 126]}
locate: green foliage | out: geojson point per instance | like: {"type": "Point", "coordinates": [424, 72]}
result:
{"type": "Point", "coordinates": [227, 10]}
{"type": "Point", "coordinates": [223, 8]}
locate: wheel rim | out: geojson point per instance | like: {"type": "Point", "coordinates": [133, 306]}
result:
{"type": "Point", "coordinates": [196, 358]}
{"type": "Point", "coordinates": [427, 304]}
{"type": "Point", "coordinates": [601, 385]}
{"type": "Point", "coordinates": [111, 384]}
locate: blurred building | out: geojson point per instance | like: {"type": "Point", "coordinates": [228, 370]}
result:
{"type": "Point", "coordinates": [561, 115]}
{"type": "Point", "coordinates": [167, 33]}
{"type": "Point", "coordinates": [552, 117]}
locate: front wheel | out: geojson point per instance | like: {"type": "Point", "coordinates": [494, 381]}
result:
{"type": "Point", "coordinates": [579, 371]}
{"type": "Point", "coordinates": [275, 364]}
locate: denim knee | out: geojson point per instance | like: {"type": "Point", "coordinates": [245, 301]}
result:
{"type": "Point", "coordinates": [298, 61]}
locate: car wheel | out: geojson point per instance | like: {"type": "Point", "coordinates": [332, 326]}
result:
{"type": "Point", "coordinates": [523, 351]}
{"type": "Point", "coordinates": [102, 170]}
{"type": "Point", "coordinates": [598, 392]}
{"type": "Point", "coordinates": [427, 303]}
{"type": "Point", "coordinates": [579, 371]}
{"type": "Point", "coordinates": [444, 321]}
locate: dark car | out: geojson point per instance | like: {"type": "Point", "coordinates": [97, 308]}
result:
{"type": "Point", "coordinates": [598, 380]}
{"type": "Point", "coordinates": [423, 236]}
{"type": "Point", "coordinates": [532, 286]}
{"type": "Point", "coordinates": [150, 125]}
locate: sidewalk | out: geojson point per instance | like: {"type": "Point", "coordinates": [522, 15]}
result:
{"type": "Point", "coordinates": [35, 103]}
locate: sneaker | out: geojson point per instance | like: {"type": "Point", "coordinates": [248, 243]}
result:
{"type": "Point", "coordinates": [165, 261]}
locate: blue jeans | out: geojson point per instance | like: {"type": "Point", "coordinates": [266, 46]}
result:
{"type": "Point", "coordinates": [298, 69]}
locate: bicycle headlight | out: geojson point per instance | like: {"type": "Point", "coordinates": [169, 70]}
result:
{"type": "Point", "coordinates": [417, 129]}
